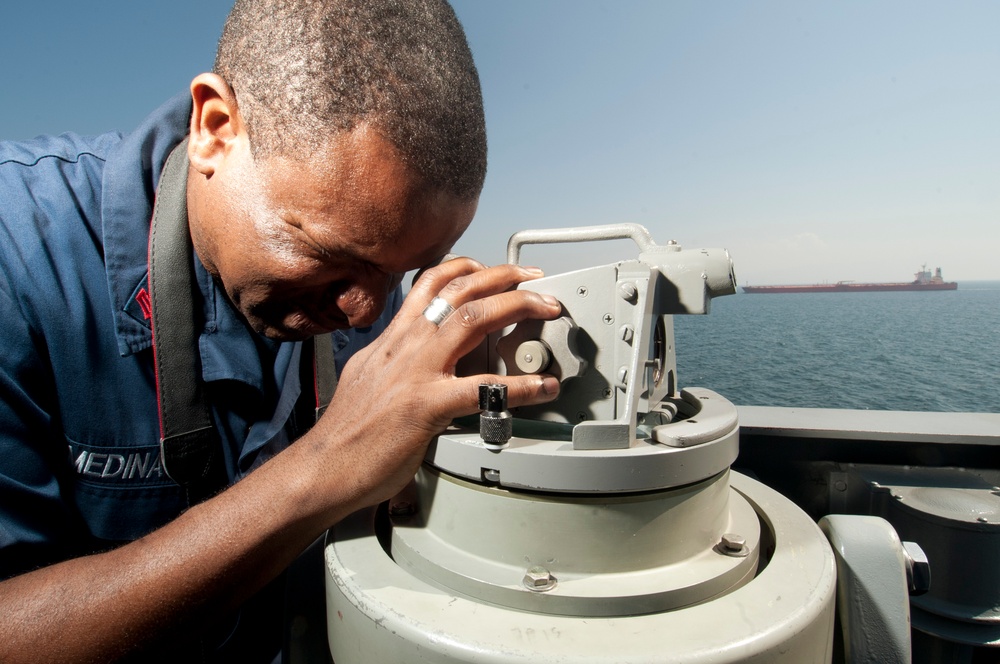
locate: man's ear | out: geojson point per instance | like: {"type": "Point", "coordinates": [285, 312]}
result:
{"type": "Point", "coordinates": [215, 123]}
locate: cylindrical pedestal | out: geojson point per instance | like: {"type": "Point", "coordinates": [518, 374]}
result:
{"type": "Point", "coordinates": [634, 578]}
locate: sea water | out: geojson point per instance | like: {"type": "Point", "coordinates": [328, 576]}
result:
{"type": "Point", "coordinates": [910, 350]}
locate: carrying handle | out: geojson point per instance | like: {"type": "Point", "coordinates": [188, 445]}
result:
{"type": "Point", "coordinates": [634, 232]}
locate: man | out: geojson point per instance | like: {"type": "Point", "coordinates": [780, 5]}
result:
{"type": "Point", "coordinates": [336, 146]}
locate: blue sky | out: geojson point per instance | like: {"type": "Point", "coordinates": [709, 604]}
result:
{"type": "Point", "coordinates": [816, 141]}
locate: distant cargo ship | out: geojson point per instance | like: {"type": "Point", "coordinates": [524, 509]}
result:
{"type": "Point", "coordinates": [923, 281]}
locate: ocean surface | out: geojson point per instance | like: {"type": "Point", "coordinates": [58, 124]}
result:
{"type": "Point", "coordinates": [921, 351]}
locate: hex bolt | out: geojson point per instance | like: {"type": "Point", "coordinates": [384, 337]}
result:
{"type": "Point", "coordinates": [539, 579]}
{"type": "Point", "coordinates": [628, 292]}
{"type": "Point", "coordinates": [734, 545]}
{"type": "Point", "coordinates": [918, 568]}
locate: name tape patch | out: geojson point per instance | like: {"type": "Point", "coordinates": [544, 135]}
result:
{"type": "Point", "coordinates": [126, 466]}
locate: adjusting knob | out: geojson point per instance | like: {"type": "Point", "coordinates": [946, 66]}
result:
{"type": "Point", "coordinates": [543, 347]}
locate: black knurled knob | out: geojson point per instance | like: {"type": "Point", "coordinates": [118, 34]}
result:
{"type": "Point", "coordinates": [495, 422]}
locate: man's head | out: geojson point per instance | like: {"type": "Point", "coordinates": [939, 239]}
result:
{"type": "Point", "coordinates": [303, 69]}
{"type": "Point", "coordinates": [338, 144]}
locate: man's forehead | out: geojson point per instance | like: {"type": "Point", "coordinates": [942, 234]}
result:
{"type": "Point", "coordinates": [353, 165]}
{"type": "Point", "coordinates": [359, 196]}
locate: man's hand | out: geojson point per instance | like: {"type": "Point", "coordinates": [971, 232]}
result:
{"type": "Point", "coordinates": [401, 391]}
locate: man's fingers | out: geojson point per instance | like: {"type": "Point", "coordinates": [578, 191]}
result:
{"type": "Point", "coordinates": [491, 281]}
{"type": "Point", "coordinates": [465, 329]}
{"type": "Point", "coordinates": [461, 396]}
{"type": "Point", "coordinates": [463, 280]}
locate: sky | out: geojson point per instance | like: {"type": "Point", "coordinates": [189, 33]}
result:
{"type": "Point", "coordinates": [817, 142]}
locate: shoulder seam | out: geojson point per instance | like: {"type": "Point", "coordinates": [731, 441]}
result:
{"type": "Point", "coordinates": [54, 156]}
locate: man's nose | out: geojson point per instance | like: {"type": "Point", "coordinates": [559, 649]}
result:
{"type": "Point", "coordinates": [364, 301]}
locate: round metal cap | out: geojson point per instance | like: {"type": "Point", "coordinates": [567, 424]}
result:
{"type": "Point", "coordinates": [532, 357]}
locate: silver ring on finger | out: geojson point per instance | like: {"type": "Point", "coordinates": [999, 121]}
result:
{"type": "Point", "coordinates": [438, 310]}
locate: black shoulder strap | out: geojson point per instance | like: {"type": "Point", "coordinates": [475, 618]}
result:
{"type": "Point", "coordinates": [190, 448]}
{"type": "Point", "coordinates": [324, 372]}
{"type": "Point", "coordinates": [189, 443]}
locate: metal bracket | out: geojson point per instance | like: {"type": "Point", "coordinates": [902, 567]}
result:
{"type": "Point", "coordinates": [873, 601]}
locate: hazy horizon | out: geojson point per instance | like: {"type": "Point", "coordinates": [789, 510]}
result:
{"type": "Point", "coordinates": [817, 142]}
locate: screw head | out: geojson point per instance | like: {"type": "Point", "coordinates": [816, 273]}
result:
{"type": "Point", "coordinates": [539, 579]}
{"type": "Point", "coordinates": [582, 291]}
{"type": "Point", "coordinates": [609, 319]}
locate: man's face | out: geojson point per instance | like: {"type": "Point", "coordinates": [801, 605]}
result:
{"type": "Point", "coordinates": [303, 247]}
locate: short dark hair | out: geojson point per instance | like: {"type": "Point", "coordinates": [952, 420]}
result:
{"type": "Point", "coordinates": [304, 69]}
